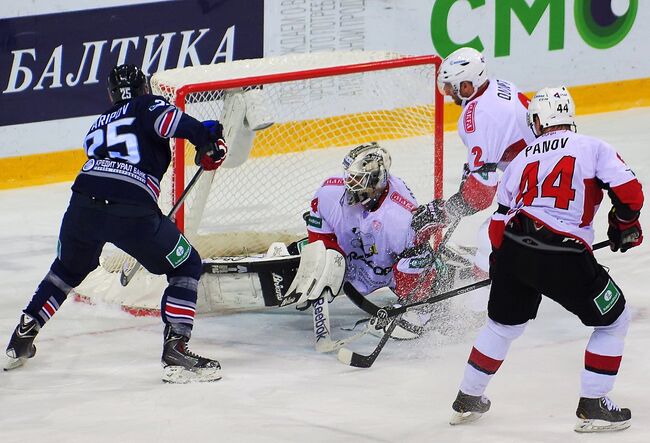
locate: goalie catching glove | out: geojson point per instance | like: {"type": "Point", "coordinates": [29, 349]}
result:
{"type": "Point", "coordinates": [212, 154]}
{"type": "Point", "coordinates": [321, 270]}
{"type": "Point", "coordinates": [623, 234]}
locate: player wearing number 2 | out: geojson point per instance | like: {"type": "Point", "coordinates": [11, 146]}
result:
{"type": "Point", "coordinates": [114, 199]}
{"type": "Point", "coordinates": [541, 235]}
{"type": "Point", "coordinates": [492, 126]}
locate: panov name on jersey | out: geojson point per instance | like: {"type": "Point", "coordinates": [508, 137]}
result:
{"type": "Point", "coordinates": [546, 146]}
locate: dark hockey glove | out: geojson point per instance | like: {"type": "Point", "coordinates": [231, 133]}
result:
{"type": "Point", "coordinates": [427, 218]}
{"type": "Point", "coordinates": [211, 155]}
{"type": "Point", "coordinates": [623, 234]}
{"type": "Point", "coordinates": [215, 128]}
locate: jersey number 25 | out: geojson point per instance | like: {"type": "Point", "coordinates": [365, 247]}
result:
{"type": "Point", "coordinates": [107, 142]}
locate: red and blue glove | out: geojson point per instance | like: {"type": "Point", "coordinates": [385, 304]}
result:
{"type": "Point", "coordinates": [212, 154]}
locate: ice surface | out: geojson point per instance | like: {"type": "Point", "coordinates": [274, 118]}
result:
{"type": "Point", "coordinates": [96, 376]}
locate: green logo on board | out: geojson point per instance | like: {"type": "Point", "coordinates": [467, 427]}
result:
{"type": "Point", "coordinates": [599, 23]}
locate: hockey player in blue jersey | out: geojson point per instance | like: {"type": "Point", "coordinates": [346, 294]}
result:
{"type": "Point", "coordinates": [114, 199]}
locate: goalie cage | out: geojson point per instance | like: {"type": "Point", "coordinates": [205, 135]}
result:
{"type": "Point", "coordinates": [321, 105]}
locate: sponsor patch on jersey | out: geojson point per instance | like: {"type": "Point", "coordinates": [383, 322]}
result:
{"type": "Point", "coordinates": [180, 253]}
{"type": "Point", "coordinates": [606, 300]}
{"type": "Point", "coordinates": [376, 225]}
{"type": "Point", "coordinates": [468, 119]}
{"type": "Point", "coordinates": [314, 221]}
{"type": "Point", "coordinates": [333, 181]}
{"type": "Point", "coordinates": [314, 205]}
{"type": "Point", "coordinates": [90, 163]}
{"type": "Point", "coordinates": [419, 262]}
{"type": "Point", "coordinates": [402, 201]}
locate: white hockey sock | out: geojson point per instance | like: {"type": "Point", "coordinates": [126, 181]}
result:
{"type": "Point", "coordinates": [603, 357]}
{"type": "Point", "coordinates": [488, 353]}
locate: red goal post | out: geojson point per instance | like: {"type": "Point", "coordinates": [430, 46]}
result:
{"type": "Point", "coordinates": [319, 102]}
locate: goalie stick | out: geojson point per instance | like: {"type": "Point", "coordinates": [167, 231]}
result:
{"type": "Point", "coordinates": [388, 312]}
{"type": "Point", "coordinates": [352, 358]}
{"type": "Point", "coordinates": [126, 275]}
{"type": "Point", "coordinates": [357, 360]}
{"type": "Point", "coordinates": [323, 332]}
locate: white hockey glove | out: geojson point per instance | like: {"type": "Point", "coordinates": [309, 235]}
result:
{"type": "Point", "coordinates": [320, 270]}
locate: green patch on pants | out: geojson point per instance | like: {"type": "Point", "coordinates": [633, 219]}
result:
{"type": "Point", "coordinates": [180, 253]}
{"type": "Point", "coordinates": [608, 298]}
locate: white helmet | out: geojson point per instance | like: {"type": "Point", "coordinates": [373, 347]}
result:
{"type": "Point", "coordinates": [366, 174]}
{"type": "Point", "coordinates": [462, 65]}
{"type": "Point", "coordinates": [553, 107]}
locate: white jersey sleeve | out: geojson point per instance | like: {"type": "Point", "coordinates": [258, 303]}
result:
{"type": "Point", "coordinates": [610, 168]}
{"type": "Point", "coordinates": [325, 210]}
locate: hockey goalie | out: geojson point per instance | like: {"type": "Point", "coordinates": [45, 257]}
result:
{"type": "Point", "coordinates": [365, 227]}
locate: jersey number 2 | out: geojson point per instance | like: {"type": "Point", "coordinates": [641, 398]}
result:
{"type": "Point", "coordinates": [557, 184]}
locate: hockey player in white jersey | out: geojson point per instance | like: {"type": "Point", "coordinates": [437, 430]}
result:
{"type": "Point", "coordinates": [541, 235]}
{"type": "Point", "coordinates": [363, 218]}
{"type": "Point", "coordinates": [492, 125]}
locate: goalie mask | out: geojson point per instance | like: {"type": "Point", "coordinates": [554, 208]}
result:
{"type": "Point", "coordinates": [553, 107]}
{"type": "Point", "coordinates": [366, 174]}
{"type": "Point", "coordinates": [126, 82]}
{"type": "Point", "coordinates": [462, 65]}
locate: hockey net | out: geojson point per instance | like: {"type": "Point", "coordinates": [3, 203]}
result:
{"type": "Point", "coordinates": [320, 106]}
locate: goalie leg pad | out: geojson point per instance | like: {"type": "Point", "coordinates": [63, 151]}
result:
{"type": "Point", "coordinates": [320, 270]}
{"type": "Point", "coordinates": [331, 279]}
{"type": "Point", "coordinates": [312, 264]}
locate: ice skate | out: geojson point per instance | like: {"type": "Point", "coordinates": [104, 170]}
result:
{"type": "Point", "coordinates": [468, 408]}
{"type": "Point", "coordinates": [21, 346]}
{"type": "Point", "coordinates": [180, 365]}
{"type": "Point", "coordinates": [601, 415]}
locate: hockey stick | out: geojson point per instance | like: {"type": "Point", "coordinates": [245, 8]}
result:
{"type": "Point", "coordinates": [126, 275]}
{"type": "Point", "coordinates": [385, 313]}
{"type": "Point", "coordinates": [357, 360]}
{"type": "Point", "coordinates": [351, 358]}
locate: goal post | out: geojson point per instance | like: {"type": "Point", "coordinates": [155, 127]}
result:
{"type": "Point", "coordinates": [293, 118]}
{"type": "Point", "coordinates": [322, 104]}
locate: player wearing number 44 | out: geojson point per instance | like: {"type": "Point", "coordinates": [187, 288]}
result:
{"type": "Point", "coordinates": [541, 237]}
{"type": "Point", "coordinates": [114, 199]}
